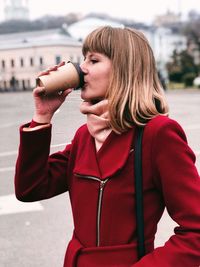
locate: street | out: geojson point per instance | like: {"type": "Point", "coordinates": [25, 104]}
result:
{"type": "Point", "coordinates": [36, 234]}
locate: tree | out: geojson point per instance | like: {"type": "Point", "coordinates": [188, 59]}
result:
{"type": "Point", "coordinates": [182, 68]}
{"type": "Point", "coordinates": [192, 29]}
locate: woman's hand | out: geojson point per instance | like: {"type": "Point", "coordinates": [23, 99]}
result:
{"type": "Point", "coordinates": [46, 105]}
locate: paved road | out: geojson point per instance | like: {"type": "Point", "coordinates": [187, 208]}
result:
{"type": "Point", "coordinates": [36, 234]}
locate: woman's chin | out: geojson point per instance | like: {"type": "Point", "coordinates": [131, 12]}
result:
{"type": "Point", "coordinates": [90, 99]}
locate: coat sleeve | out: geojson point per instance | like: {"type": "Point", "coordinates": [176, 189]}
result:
{"type": "Point", "coordinates": [40, 176]}
{"type": "Point", "coordinates": [178, 181]}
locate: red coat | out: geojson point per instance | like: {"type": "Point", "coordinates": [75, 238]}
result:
{"type": "Point", "coordinates": [101, 188]}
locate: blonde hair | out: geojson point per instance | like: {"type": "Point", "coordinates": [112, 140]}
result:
{"type": "Point", "coordinates": [135, 94]}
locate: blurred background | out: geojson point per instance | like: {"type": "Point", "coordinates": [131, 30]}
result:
{"type": "Point", "coordinates": [37, 34]}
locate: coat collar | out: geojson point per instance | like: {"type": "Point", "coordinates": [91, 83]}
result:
{"type": "Point", "coordinates": [111, 157]}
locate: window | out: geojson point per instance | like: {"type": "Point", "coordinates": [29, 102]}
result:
{"type": "Point", "coordinates": [21, 62]}
{"type": "Point", "coordinates": [58, 59]}
{"type": "Point", "coordinates": [3, 64]}
{"type": "Point", "coordinates": [23, 85]}
{"type": "Point", "coordinates": [71, 58]}
{"type": "Point", "coordinates": [12, 63]}
{"type": "Point", "coordinates": [41, 61]}
{"type": "Point", "coordinates": [31, 61]}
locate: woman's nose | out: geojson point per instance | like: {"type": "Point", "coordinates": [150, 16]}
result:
{"type": "Point", "coordinates": [83, 67]}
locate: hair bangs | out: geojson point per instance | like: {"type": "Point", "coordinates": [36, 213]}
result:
{"type": "Point", "coordinates": [98, 41]}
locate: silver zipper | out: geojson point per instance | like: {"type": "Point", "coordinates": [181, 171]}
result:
{"type": "Point", "coordinates": [99, 206]}
{"type": "Point", "coordinates": [101, 188]}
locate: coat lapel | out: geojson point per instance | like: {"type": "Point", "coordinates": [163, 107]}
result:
{"type": "Point", "coordinates": [111, 157]}
{"type": "Point", "coordinates": [86, 161]}
{"type": "Point", "coordinates": [114, 153]}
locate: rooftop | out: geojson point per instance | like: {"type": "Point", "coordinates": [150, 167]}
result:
{"type": "Point", "coordinates": [37, 39]}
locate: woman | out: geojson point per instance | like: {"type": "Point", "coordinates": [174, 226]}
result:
{"type": "Point", "coordinates": [121, 93]}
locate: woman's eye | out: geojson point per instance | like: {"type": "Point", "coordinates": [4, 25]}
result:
{"type": "Point", "coordinates": [94, 61]}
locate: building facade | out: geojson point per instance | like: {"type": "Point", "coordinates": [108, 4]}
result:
{"type": "Point", "coordinates": [24, 55]}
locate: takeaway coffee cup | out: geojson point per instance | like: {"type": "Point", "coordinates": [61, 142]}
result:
{"type": "Point", "coordinates": [67, 76]}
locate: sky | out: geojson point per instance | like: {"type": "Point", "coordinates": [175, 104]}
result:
{"type": "Point", "coordinates": [138, 10]}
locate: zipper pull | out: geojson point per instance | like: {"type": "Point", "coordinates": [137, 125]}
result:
{"type": "Point", "coordinates": [102, 184]}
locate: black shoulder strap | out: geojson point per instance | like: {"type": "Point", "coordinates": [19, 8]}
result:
{"type": "Point", "coordinates": [139, 192]}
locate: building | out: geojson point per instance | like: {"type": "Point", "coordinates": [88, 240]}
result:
{"type": "Point", "coordinates": [82, 28]}
{"type": "Point", "coordinates": [168, 19]}
{"type": "Point", "coordinates": [16, 9]}
{"type": "Point", "coordinates": [24, 55]}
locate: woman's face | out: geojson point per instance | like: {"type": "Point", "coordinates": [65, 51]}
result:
{"type": "Point", "coordinates": [97, 72]}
